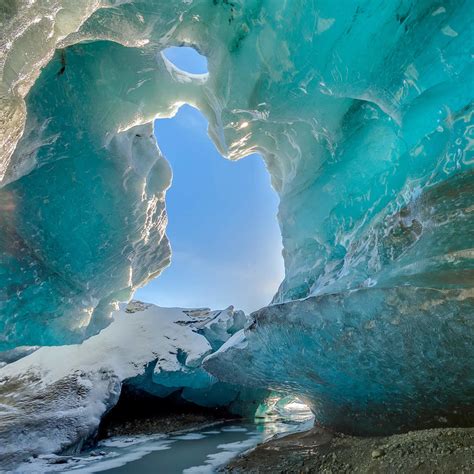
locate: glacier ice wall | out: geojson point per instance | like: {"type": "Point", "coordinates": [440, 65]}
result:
{"type": "Point", "coordinates": [86, 225]}
{"type": "Point", "coordinates": [372, 360]}
{"type": "Point", "coordinates": [361, 109]}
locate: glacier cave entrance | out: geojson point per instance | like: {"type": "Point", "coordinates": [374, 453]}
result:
{"type": "Point", "coordinates": [225, 239]}
{"type": "Point", "coordinates": [277, 407]}
{"type": "Point", "coordinates": [226, 243]}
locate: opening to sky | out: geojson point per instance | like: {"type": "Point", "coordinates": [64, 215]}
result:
{"type": "Point", "coordinates": [187, 59]}
{"type": "Point", "coordinates": [225, 239]}
{"type": "Point", "coordinates": [223, 230]}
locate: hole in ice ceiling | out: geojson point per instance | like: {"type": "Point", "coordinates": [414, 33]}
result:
{"type": "Point", "coordinates": [222, 227]}
{"type": "Point", "coordinates": [187, 59]}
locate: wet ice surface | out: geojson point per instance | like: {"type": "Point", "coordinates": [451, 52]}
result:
{"type": "Point", "coordinates": [197, 452]}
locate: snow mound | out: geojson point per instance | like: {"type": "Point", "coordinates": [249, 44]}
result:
{"type": "Point", "coordinates": [52, 400]}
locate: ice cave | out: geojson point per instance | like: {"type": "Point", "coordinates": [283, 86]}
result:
{"type": "Point", "coordinates": [363, 113]}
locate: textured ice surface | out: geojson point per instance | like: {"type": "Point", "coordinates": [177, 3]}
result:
{"type": "Point", "coordinates": [371, 360]}
{"type": "Point", "coordinates": [361, 109]}
{"type": "Point", "coordinates": [53, 399]}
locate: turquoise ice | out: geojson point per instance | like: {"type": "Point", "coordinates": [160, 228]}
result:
{"type": "Point", "coordinates": [362, 111]}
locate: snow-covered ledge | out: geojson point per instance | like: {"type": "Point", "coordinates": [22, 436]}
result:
{"type": "Point", "coordinates": [52, 400]}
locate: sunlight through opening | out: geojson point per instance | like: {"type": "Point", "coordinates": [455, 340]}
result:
{"type": "Point", "coordinates": [225, 239]}
{"type": "Point", "coordinates": [187, 59]}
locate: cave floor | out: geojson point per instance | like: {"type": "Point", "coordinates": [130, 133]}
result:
{"type": "Point", "coordinates": [444, 450]}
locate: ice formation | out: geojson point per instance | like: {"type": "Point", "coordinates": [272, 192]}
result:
{"type": "Point", "coordinates": [363, 113]}
{"type": "Point", "coordinates": [53, 399]}
{"type": "Point", "coordinates": [329, 352]}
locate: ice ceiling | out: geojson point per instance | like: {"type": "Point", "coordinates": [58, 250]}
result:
{"type": "Point", "coordinates": [363, 113]}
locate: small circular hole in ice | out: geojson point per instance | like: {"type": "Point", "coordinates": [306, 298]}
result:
{"type": "Point", "coordinates": [187, 59]}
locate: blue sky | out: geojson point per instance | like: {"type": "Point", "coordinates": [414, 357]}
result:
{"type": "Point", "coordinates": [222, 218]}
